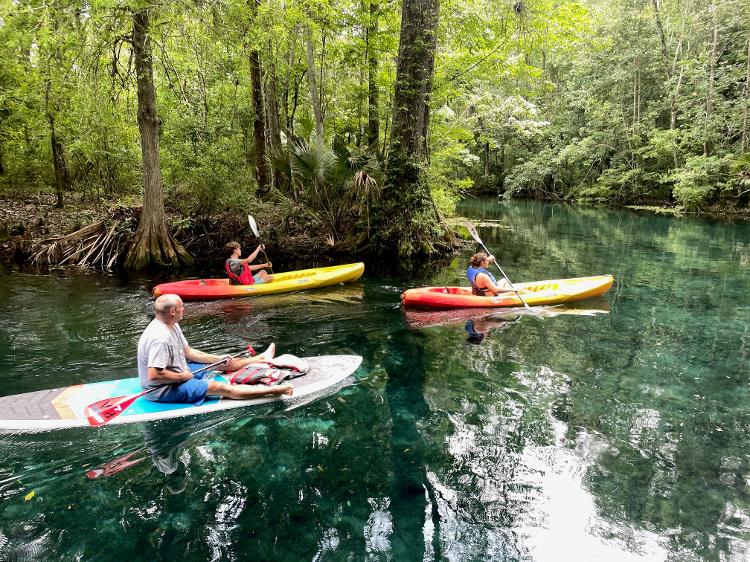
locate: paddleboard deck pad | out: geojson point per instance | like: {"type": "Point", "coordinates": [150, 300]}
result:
{"type": "Point", "coordinates": [64, 407]}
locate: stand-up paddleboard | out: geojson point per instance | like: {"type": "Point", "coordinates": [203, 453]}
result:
{"type": "Point", "coordinates": [64, 407]}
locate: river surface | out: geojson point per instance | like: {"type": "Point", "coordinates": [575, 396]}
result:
{"type": "Point", "coordinates": [613, 430]}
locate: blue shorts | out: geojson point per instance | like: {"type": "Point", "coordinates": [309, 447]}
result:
{"type": "Point", "coordinates": [192, 391]}
{"type": "Point", "coordinates": [189, 392]}
{"type": "Point", "coordinates": [258, 279]}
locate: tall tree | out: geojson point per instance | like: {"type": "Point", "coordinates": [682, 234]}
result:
{"type": "Point", "coordinates": [313, 84]}
{"type": "Point", "coordinates": [270, 93]}
{"type": "Point", "coordinates": [373, 116]}
{"type": "Point", "coordinates": [259, 125]}
{"type": "Point", "coordinates": [55, 79]}
{"type": "Point", "coordinates": [153, 243]}
{"type": "Point", "coordinates": [745, 98]}
{"type": "Point", "coordinates": [408, 225]}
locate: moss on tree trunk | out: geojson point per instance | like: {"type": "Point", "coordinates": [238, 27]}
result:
{"type": "Point", "coordinates": [408, 227]}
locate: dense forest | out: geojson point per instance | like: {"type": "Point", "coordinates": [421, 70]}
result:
{"type": "Point", "coordinates": [372, 118]}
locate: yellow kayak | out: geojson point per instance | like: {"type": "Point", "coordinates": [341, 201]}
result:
{"type": "Point", "coordinates": [554, 291]}
{"type": "Point", "coordinates": [301, 280]}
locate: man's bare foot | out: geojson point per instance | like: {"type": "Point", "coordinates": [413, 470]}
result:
{"type": "Point", "coordinates": [266, 355]}
{"type": "Point", "coordinates": [283, 389]}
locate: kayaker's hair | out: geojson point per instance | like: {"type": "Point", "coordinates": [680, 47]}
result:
{"type": "Point", "coordinates": [230, 247]}
{"type": "Point", "coordinates": [477, 259]}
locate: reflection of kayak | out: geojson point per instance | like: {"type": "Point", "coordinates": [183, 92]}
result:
{"type": "Point", "coordinates": [418, 319]}
{"type": "Point", "coordinates": [337, 295]}
{"type": "Point", "coordinates": [554, 291]}
{"type": "Point", "coordinates": [64, 407]}
{"type": "Point", "coordinates": [207, 289]}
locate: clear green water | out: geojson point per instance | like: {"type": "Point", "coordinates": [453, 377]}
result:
{"type": "Point", "coordinates": [612, 436]}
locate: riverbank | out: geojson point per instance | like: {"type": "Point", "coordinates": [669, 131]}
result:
{"type": "Point", "coordinates": [292, 240]}
{"type": "Point", "coordinates": [28, 222]}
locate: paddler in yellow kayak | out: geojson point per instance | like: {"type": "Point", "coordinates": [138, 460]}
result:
{"type": "Point", "coordinates": [240, 271]}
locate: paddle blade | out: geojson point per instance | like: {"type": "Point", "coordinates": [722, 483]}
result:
{"type": "Point", "coordinates": [253, 225]}
{"type": "Point", "coordinates": [104, 411]}
{"type": "Point", "coordinates": [473, 232]}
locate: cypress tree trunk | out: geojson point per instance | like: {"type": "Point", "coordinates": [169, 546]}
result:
{"type": "Point", "coordinates": [291, 56]}
{"type": "Point", "coordinates": [62, 177]}
{"type": "Point", "coordinates": [153, 244]}
{"type": "Point", "coordinates": [59, 162]}
{"type": "Point", "coordinates": [669, 70]}
{"type": "Point", "coordinates": [259, 126]}
{"type": "Point", "coordinates": [270, 97]}
{"type": "Point", "coordinates": [407, 224]}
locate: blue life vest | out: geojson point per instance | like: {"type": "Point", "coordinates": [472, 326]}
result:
{"type": "Point", "coordinates": [472, 273]}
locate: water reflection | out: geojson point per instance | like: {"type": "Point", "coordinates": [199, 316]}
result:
{"type": "Point", "coordinates": [478, 328]}
{"type": "Point", "coordinates": [619, 436]}
{"type": "Point", "coordinates": [163, 444]}
{"type": "Point", "coordinates": [479, 322]}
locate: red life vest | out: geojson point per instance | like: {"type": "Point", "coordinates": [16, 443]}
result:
{"type": "Point", "coordinates": [244, 278]}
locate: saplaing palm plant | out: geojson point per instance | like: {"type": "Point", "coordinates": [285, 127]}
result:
{"type": "Point", "coordinates": [335, 185]}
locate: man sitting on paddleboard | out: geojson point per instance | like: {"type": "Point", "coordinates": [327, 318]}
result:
{"type": "Point", "coordinates": [163, 353]}
{"type": "Point", "coordinates": [483, 283]}
{"type": "Point", "coordinates": [240, 271]}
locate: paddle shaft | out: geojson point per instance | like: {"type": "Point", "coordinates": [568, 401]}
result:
{"type": "Point", "coordinates": [266, 258]}
{"type": "Point", "coordinates": [206, 368]}
{"type": "Point", "coordinates": [478, 239]}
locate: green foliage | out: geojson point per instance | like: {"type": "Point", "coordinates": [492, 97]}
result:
{"type": "Point", "coordinates": [339, 185]}
{"type": "Point", "coordinates": [741, 175]}
{"type": "Point", "coordinates": [700, 179]}
{"type": "Point", "coordinates": [571, 99]}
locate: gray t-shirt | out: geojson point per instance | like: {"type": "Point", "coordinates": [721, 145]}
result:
{"type": "Point", "coordinates": [235, 266]}
{"type": "Point", "coordinates": [162, 348]}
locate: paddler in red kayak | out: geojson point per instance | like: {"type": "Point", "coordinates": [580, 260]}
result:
{"type": "Point", "coordinates": [240, 271]}
{"type": "Point", "coordinates": [483, 283]}
{"type": "Point", "coordinates": [163, 353]}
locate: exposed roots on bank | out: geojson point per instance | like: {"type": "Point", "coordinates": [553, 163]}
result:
{"type": "Point", "coordinates": [99, 245]}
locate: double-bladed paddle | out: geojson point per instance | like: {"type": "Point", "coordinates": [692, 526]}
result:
{"type": "Point", "coordinates": [104, 411]}
{"type": "Point", "coordinates": [475, 235]}
{"type": "Point", "coordinates": [254, 228]}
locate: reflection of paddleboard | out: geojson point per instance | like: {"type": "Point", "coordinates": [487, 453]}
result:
{"type": "Point", "coordinates": [63, 407]}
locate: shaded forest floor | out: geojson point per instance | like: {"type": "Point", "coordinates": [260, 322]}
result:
{"type": "Point", "coordinates": [289, 244]}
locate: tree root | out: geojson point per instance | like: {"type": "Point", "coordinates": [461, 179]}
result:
{"type": "Point", "coordinates": [99, 245]}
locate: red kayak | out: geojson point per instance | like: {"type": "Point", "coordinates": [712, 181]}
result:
{"type": "Point", "coordinates": [555, 291]}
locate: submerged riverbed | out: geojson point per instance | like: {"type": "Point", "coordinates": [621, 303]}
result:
{"type": "Point", "coordinates": [612, 430]}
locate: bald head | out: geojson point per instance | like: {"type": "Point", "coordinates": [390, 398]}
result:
{"type": "Point", "coordinates": [165, 304]}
